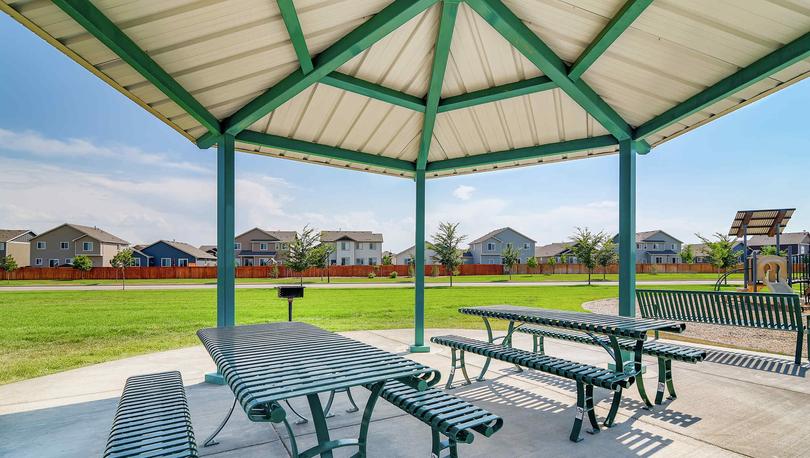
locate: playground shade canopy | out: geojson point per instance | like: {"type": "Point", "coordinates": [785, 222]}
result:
{"type": "Point", "coordinates": [760, 222]}
{"type": "Point", "coordinates": [448, 87]}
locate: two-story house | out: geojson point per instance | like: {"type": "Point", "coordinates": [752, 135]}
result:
{"type": "Point", "coordinates": [58, 246]}
{"type": "Point", "coordinates": [16, 243]}
{"type": "Point", "coordinates": [258, 247]}
{"type": "Point", "coordinates": [354, 248]}
{"type": "Point", "coordinates": [560, 252]}
{"type": "Point", "coordinates": [171, 253]}
{"type": "Point", "coordinates": [793, 242]}
{"type": "Point", "coordinates": [487, 249]}
{"type": "Point", "coordinates": [655, 247]}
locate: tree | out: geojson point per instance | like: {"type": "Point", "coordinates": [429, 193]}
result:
{"type": "Point", "coordinates": [83, 264]}
{"type": "Point", "coordinates": [8, 264]}
{"type": "Point", "coordinates": [510, 257]}
{"type": "Point", "coordinates": [721, 252]}
{"type": "Point", "coordinates": [531, 263]}
{"type": "Point", "coordinates": [387, 260]}
{"type": "Point", "coordinates": [300, 252]}
{"type": "Point", "coordinates": [770, 250]}
{"type": "Point", "coordinates": [606, 255]}
{"type": "Point", "coordinates": [445, 244]}
{"type": "Point", "coordinates": [122, 260]}
{"type": "Point", "coordinates": [687, 255]}
{"type": "Point", "coordinates": [552, 261]}
{"type": "Point", "coordinates": [585, 246]}
{"type": "Point", "coordinates": [320, 258]}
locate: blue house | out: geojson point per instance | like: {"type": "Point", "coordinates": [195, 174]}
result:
{"type": "Point", "coordinates": [169, 253]}
{"type": "Point", "coordinates": [139, 258]}
{"type": "Point", "coordinates": [487, 249]}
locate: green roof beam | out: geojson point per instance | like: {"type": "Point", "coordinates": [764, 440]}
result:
{"type": "Point", "coordinates": [98, 25]}
{"type": "Point", "coordinates": [388, 19]}
{"type": "Point", "coordinates": [375, 91]}
{"type": "Point", "coordinates": [440, 54]}
{"type": "Point", "coordinates": [536, 51]}
{"type": "Point", "coordinates": [493, 94]}
{"type": "Point", "coordinates": [290, 17]}
{"type": "Point", "coordinates": [774, 62]}
{"type": "Point", "coordinates": [522, 154]}
{"type": "Point", "coordinates": [631, 10]}
{"type": "Point", "coordinates": [324, 151]}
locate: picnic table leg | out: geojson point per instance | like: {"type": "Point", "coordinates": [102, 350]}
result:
{"type": "Point", "coordinates": [665, 378]}
{"type": "Point", "coordinates": [301, 419]}
{"type": "Point", "coordinates": [584, 407]}
{"type": "Point", "coordinates": [639, 376]}
{"type": "Point", "coordinates": [372, 400]}
{"type": "Point", "coordinates": [491, 340]}
{"type": "Point", "coordinates": [614, 408]}
{"type": "Point", "coordinates": [210, 441]}
{"type": "Point", "coordinates": [456, 363]}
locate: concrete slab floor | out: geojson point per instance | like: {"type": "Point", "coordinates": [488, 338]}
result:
{"type": "Point", "coordinates": [737, 403]}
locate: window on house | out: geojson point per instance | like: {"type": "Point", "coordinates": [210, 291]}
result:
{"type": "Point", "coordinates": [490, 246]}
{"type": "Point", "coordinates": [658, 259]}
{"type": "Point", "coordinates": [64, 245]}
{"type": "Point", "coordinates": [344, 261]}
{"type": "Point", "coordinates": [42, 245]}
{"type": "Point", "coordinates": [371, 246]}
{"type": "Point", "coordinates": [359, 246]}
{"type": "Point", "coordinates": [263, 247]}
{"type": "Point", "coordinates": [182, 262]}
{"type": "Point", "coordinates": [38, 261]}
{"type": "Point", "coordinates": [165, 262]}
{"type": "Point", "coordinates": [237, 246]}
{"type": "Point", "coordinates": [87, 246]}
{"type": "Point", "coordinates": [638, 245]}
{"type": "Point", "coordinates": [343, 246]}
{"type": "Point", "coordinates": [525, 246]}
{"type": "Point", "coordinates": [136, 262]}
{"type": "Point", "coordinates": [2, 246]}
{"type": "Point", "coordinates": [508, 245]}
{"type": "Point", "coordinates": [372, 261]}
{"type": "Point", "coordinates": [68, 261]}
{"type": "Point", "coordinates": [358, 262]}
{"type": "Point", "coordinates": [284, 246]}
{"type": "Point", "coordinates": [54, 263]}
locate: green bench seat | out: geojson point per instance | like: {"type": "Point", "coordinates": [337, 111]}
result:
{"type": "Point", "coordinates": [774, 311]}
{"type": "Point", "coordinates": [664, 352]}
{"type": "Point", "coordinates": [447, 415]}
{"type": "Point", "coordinates": [586, 376]}
{"type": "Point", "coordinates": [152, 419]}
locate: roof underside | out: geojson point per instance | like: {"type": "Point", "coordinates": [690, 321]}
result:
{"type": "Point", "coordinates": [490, 85]}
{"type": "Point", "coordinates": [760, 222]}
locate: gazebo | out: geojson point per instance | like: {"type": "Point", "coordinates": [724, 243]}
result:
{"type": "Point", "coordinates": [422, 89]}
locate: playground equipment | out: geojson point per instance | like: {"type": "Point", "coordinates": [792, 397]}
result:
{"type": "Point", "coordinates": [774, 272]}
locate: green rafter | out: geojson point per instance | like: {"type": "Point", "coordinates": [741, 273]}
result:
{"type": "Point", "coordinates": [440, 54]}
{"type": "Point", "coordinates": [290, 17]}
{"type": "Point", "coordinates": [329, 152]}
{"type": "Point", "coordinates": [521, 154]}
{"type": "Point", "coordinates": [776, 61]}
{"type": "Point", "coordinates": [620, 22]}
{"type": "Point", "coordinates": [359, 39]}
{"type": "Point", "coordinates": [375, 91]}
{"type": "Point", "coordinates": [98, 25]}
{"type": "Point", "coordinates": [493, 94]}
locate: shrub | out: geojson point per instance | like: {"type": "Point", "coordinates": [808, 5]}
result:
{"type": "Point", "coordinates": [435, 271]}
{"type": "Point", "coordinates": [274, 271]}
{"type": "Point", "coordinates": [372, 274]}
{"type": "Point", "coordinates": [393, 274]}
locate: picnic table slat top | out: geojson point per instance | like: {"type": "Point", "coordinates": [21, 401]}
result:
{"type": "Point", "coordinates": [621, 326]}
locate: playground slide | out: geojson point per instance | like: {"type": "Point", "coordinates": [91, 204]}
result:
{"type": "Point", "coordinates": [778, 287]}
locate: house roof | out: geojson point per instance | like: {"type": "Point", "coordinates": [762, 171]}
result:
{"type": "Point", "coordinates": [208, 247]}
{"type": "Point", "coordinates": [93, 232]}
{"type": "Point", "coordinates": [7, 235]}
{"type": "Point", "coordinates": [189, 249]}
{"type": "Point", "coordinates": [281, 236]}
{"type": "Point", "coordinates": [493, 234]}
{"type": "Point", "coordinates": [138, 251]}
{"type": "Point", "coordinates": [357, 236]}
{"type": "Point", "coordinates": [410, 250]}
{"type": "Point", "coordinates": [552, 249]}
{"type": "Point", "coordinates": [700, 249]}
{"type": "Point", "coordinates": [787, 238]}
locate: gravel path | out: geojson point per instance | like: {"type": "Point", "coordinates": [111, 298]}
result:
{"type": "Point", "coordinates": [780, 342]}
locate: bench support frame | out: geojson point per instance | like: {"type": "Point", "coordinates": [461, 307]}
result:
{"type": "Point", "coordinates": [456, 363]}
{"type": "Point", "coordinates": [584, 406]}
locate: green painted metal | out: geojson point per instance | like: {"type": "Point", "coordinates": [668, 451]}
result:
{"type": "Point", "coordinates": [627, 229]}
{"type": "Point", "coordinates": [493, 94]}
{"type": "Point", "coordinates": [226, 256]}
{"type": "Point", "coordinates": [207, 140]}
{"type": "Point", "coordinates": [780, 59]}
{"type": "Point", "coordinates": [519, 154]}
{"type": "Point", "coordinates": [628, 13]}
{"type": "Point", "coordinates": [325, 151]}
{"type": "Point", "coordinates": [375, 91]}
{"type": "Point", "coordinates": [440, 54]}
{"type": "Point", "coordinates": [419, 267]}
{"type": "Point", "coordinates": [98, 25]}
{"type": "Point", "coordinates": [290, 17]}
{"type": "Point", "coordinates": [530, 45]}
{"type": "Point", "coordinates": [352, 44]}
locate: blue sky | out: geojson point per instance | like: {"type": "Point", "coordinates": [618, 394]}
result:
{"type": "Point", "coordinates": [74, 149]}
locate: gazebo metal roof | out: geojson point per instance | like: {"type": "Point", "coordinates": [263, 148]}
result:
{"type": "Point", "coordinates": [760, 222]}
{"type": "Point", "coordinates": [456, 87]}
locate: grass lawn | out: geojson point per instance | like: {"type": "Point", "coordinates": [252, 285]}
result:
{"type": "Point", "coordinates": [461, 279]}
{"type": "Point", "coordinates": [51, 331]}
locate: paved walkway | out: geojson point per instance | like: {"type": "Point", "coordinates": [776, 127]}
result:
{"type": "Point", "coordinates": [736, 404]}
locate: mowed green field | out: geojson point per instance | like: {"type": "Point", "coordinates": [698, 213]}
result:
{"type": "Point", "coordinates": [51, 331]}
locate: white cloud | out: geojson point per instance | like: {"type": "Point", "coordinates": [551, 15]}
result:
{"type": "Point", "coordinates": [464, 192]}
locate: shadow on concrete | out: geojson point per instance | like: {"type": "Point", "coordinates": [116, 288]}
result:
{"type": "Point", "coordinates": [772, 364]}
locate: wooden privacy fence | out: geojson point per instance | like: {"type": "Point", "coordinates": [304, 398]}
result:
{"type": "Point", "coordinates": [152, 273]}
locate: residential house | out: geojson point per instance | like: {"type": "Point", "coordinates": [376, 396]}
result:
{"type": "Point", "coordinates": [793, 242]}
{"type": "Point", "coordinates": [700, 252]}
{"type": "Point", "coordinates": [559, 251]}
{"type": "Point", "coordinates": [655, 247]}
{"type": "Point", "coordinates": [58, 246]}
{"type": "Point", "coordinates": [210, 249]}
{"type": "Point", "coordinates": [405, 257]}
{"type": "Point", "coordinates": [139, 258]}
{"type": "Point", "coordinates": [354, 248]}
{"type": "Point", "coordinates": [171, 253]}
{"type": "Point", "coordinates": [16, 243]}
{"type": "Point", "coordinates": [258, 247]}
{"type": "Point", "coordinates": [487, 249]}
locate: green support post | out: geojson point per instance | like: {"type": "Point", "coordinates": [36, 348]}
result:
{"type": "Point", "coordinates": [627, 228]}
{"type": "Point", "coordinates": [419, 267]}
{"type": "Point", "coordinates": [226, 264]}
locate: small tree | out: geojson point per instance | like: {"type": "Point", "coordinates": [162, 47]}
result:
{"type": "Point", "coordinates": [585, 246]}
{"type": "Point", "coordinates": [445, 244]}
{"type": "Point", "coordinates": [122, 260]}
{"type": "Point", "coordinates": [8, 264]}
{"type": "Point", "coordinates": [770, 250]}
{"type": "Point", "coordinates": [83, 264]}
{"type": "Point", "coordinates": [531, 263]}
{"type": "Point", "coordinates": [721, 252]}
{"type": "Point", "coordinates": [320, 258]}
{"type": "Point", "coordinates": [552, 261]}
{"type": "Point", "coordinates": [687, 255]}
{"type": "Point", "coordinates": [410, 268]}
{"type": "Point", "coordinates": [300, 253]}
{"type": "Point", "coordinates": [606, 255]}
{"type": "Point", "coordinates": [510, 258]}
{"type": "Point", "coordinates": [387, 260]}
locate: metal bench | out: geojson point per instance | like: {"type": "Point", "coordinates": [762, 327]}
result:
{"type": "Point", "coordinates": [152, 419]}
{"type": "Point", "coordinates": [778, 312]}
{"type": "Point", "coordinates": [664, 352]}
{"type": "Point", "coordinates": [586, 376]}
{"type": "Point", "coordinates": [446, 415]}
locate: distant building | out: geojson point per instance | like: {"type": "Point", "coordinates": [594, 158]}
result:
{"type": "Point", "coordinates": [487, 249]}
{"type": "Point", "coordinates": [656, 247]}
{"type": "Point", "coordinates": [560, 252]}
{"type": "Point", "coordinates": [795, 242]}
{"type": "Point", "coordinates": [58, 246]}
{"type": "Point", "coordinates": [258, 247]}
{"type": "Point", "coordinates": [170, 253]}
{"type": "Point", "coordinates": [405, 257]}
{"type": "Point", "coordinates": [139, 258]}
{"type": "Point", "coordinates": [16, 243]}
{"type": "Point", "coordinates": [354, 248]}
{"type": "Point", "coordinates": [700, 252]}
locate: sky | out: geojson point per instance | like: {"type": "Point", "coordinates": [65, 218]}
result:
{"type": "Point", "coordinates": [72, 149]}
